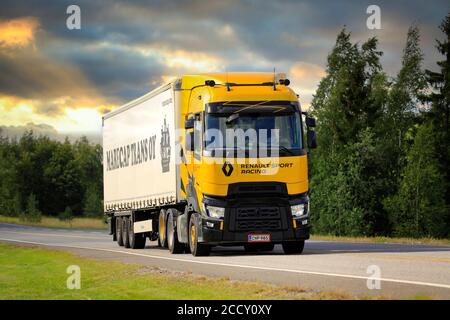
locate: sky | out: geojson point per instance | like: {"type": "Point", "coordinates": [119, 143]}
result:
{"type": "Point", "coordinates": [60, 81]}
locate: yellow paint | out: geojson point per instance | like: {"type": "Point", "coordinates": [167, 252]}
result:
{"type": "Point", "coordinates": [208, 175]}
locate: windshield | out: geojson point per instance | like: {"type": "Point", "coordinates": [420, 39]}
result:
{"type": "Point", "coordinates": [255, 126]}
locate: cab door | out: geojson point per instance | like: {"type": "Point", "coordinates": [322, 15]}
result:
{"type": "Point", "coordinates": [194, 137]}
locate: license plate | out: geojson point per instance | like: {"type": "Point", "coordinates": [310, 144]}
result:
{"type": "Point", "coordinates": [258, 238]}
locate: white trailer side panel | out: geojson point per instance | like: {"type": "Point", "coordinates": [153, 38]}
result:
{"type": "Point", "coordinates": [139, 151]}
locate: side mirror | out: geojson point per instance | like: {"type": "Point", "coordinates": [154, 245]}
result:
{"type": "Point", "coordinates": [189, 141]}
{"type": "Point", "coordinates": [189, 123]}
{"type": "Point", "coordinates": [311, 139]}
{"type": "Point", "coordinates": [310, 122]}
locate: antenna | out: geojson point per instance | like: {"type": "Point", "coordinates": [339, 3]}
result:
{"type": "Point", "coordinates": [274, 86]}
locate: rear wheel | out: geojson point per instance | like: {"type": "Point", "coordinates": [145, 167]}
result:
{"type": "Point", "coordinates": [293, 247]}
{"type": "Point", "coordinates": [136, 240]}
{"type": "Point", "coordinates": [172, 238]}
{"type": "Point", "coordinates": [119, 225]}
{"type": "Point", "coordinates": [197, 249]}
{"type": "Point", "coordinates": [125, 231]}
{"type": "Point", "coordinates": [162, 234]}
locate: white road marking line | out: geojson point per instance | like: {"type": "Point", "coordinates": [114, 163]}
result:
{"type": "Point", "coordinates": [418, 283]}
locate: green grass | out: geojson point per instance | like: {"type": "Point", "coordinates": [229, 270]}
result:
{"type": "Point", "coordinates": [52, 222]}
{"type": "Point", "coordinates": [36, 273]}
{"type": "Point", "coordinates": [431, 241]}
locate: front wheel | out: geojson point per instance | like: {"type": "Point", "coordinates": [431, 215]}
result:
{"type": "Point", "coordinates": [293, 247]}
{"type": "Point", "coordinates": [197, 249]}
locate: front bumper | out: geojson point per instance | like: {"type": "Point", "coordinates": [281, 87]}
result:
{"type": "Point", "coordinates": [256, 215]}
{"type": "Point", "coordinates": [215, 236]}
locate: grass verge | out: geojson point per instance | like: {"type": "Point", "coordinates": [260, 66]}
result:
{"type": "Point", "coordinates": [37, 273]}
{"type": "Point", "coordinates": [52, 222]}
{"type": "Point", "coordinates": [431, 241]}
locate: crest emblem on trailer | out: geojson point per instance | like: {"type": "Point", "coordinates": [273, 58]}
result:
{"type": "Point", "coordinates": [165, 147]}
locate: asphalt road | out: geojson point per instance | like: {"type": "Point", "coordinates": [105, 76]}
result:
{"type": "Point", "coordinates": [404, 270]}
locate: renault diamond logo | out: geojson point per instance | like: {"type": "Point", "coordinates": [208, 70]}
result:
{"type": "Point", "coordinates": [227, 169]}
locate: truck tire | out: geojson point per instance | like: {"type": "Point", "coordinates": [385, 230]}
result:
{"type": "Point", "coordinates": [172, 238]}
{"type": "Point", "coordinates": [197, 249]}
{"type": "Point", "coordinates": [293, 247]}
{"type": "Point", "coordinates": [254, 247]}
{"type": "Point", "coordinates": [125, 231]}
{"type": "Point", "coordinates": [119, 225]}
{"type": "Point", "coordinates": [162, 229]}
{"type": "Point", "coordinates": [136, 240]}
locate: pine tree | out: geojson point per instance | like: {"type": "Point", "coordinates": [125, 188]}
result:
{"type": "Point", "coordinates": [419, 208]}
{"type": "Point", "coordinates": [347, 182]}
{"type": "Point", "coordinates": [32, 212]}
{"type": "Point", "coordinates": [93, 206]}
{"type": "Point", "coordinates": [439, 100]}
{"type": "Point", "coordinates": [66, 215]}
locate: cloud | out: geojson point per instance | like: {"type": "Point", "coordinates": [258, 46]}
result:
{"type": "Point", "coordinates": [305, 78]}
{"type": "Point", "coordinates": [16, 111]}
{"type": "Point", "coordinates": [127, 48]}
{"type": "Point", "coordinates": [49, 86]}
{"type": "Point", "coordinates": [18, 33]}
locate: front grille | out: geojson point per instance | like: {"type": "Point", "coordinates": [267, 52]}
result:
{"type": "Point", "coordinates": [258, 213]}
{"type": "Point", "coordinates": [257, 218]}
{"type": "Point", "coordinates": [255, 189]}
{"type": "Point", "coordinates": [249, 225]}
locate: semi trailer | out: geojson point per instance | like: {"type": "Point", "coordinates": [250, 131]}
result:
{"type": "Point", "coordinates": [209, 160]}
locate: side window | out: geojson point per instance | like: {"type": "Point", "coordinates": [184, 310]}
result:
{"type": "Point", "coordinates": [198, 136]}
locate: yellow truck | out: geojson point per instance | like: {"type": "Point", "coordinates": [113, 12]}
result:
{"type": "Point", "coordinates": [210, 160]}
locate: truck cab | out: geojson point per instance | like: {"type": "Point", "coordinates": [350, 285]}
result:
{"type": "Point", "coordinates": [245, 177]}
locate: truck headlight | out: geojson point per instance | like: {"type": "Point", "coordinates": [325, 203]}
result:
{"type": "Point", "coordinates": [299, 209]}
{"type": "Point", "coordinates": [215, 212]}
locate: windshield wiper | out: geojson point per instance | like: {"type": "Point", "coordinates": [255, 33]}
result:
{"type": "Point", "coordinates": [232, 118]}
{"type": "Point", "coordinates": [279, 147]}
{"type": "Point", "coordinates": [286, 150]}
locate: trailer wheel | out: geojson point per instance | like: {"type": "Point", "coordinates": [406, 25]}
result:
{"type": "Point", "coordinates": [197, 249]}
{"type": "Point", "coordinates": [162, 233]}
{"type": "Point", "coordinates": [125, 232]}
{"type": "Point", "coordinates": [136, 240]}
{"type": "Point", "coordinates": [172, 238]}
{"type": "Point", "coordinates": [293, 247]}
{"type": "Point", "coordinates": [119, 225]}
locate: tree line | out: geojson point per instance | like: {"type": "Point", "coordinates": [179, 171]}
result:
{"type": "Point", "coordinates": [382, 163]}
{"type": "Point", "coordinates": [42, 176]}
